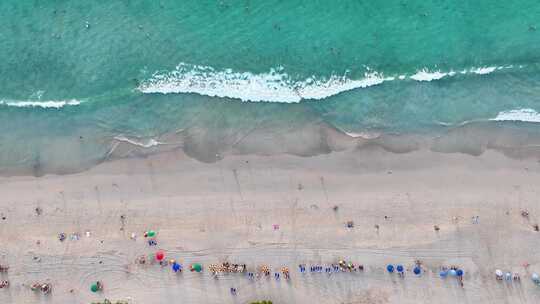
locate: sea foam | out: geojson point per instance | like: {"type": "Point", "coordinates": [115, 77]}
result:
{"type": "Point", "coordinates": [55, 104]}
{"type": "Point", "coordinates": [430, 75]}
{"type": "Point", "coordinates": [149, 143]}
{"type": "Point", "coordinates": [276, 85]}
{"type": "Point", "coordinates": [425, 75]}
{"type": "Point", "coordinates": [528, 115]}
{"type": "Point", "coordinates": [273, 86]}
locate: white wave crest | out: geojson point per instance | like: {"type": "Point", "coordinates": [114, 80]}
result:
{"type": "Point", "coordinates": [528, 115]}
{"type": "Point", "coordinates": [335, 85]}
{"type": "Point", "coordinates": [425, 75]}
{"type": "Point", "coordinates": [149, 143]}
{"type": "Point", "coordinates": [56, 104]}
{"type": "Point", "coordinates": [276, 85]}
{"type": "Point", "coordinates": [484, 70]}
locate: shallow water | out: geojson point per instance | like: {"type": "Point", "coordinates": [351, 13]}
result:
{"type": "Point", "coordinates": [77, 75]}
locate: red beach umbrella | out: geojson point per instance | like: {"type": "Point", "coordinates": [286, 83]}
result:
{"type": "Point", "coordinates": [160, 255]}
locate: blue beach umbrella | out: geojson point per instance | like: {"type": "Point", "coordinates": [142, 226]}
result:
{"type": "Point", "coordinates": [452, 272]}
{"type": "Point", "coordinates": [417, 270]}
{"type": "Point", "coordinates": [399, 268]}
{"type": "Point", "coordinates": [390, 268]}
{"type": "Point", "coordinates": [443, 273]}
{"type": "Point", "coordinates": [176, 267]}
{"type": "Point", "coordinates": [459, 272]}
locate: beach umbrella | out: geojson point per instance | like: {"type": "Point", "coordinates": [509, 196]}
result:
{"type": "Point", "coordinates": [151, 233]}
{"type": "Point", "coordinates": [160, 255]}
{"type": "Point", "coordinates": [399, 268]}
{"type": "Point", "coordinates": [94, 287]}
{"type": "Point", "coordinates": [417, 270]}
{"type": "Point", "coordinates": [459, 272]}
{"type": "Point", "coordinates": [176, 267]}
{"type": "Point", "coordinates": [390, 268]}
{"type": "Point", "coordinates": [535, 278]}
{"type": "Point", "coordinates": [452, 272]}
{"type": "Point", "coordinates": [498, 273]}
{"type": "Point", "coordinates": [196, 267]}
{"type": "Point", "coordinates": [443, 273]}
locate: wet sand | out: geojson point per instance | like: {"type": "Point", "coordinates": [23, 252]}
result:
{"type": "Point", "coordinates": [225, 211]}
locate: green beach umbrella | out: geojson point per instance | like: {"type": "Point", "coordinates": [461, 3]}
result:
{"type": "Point", "coordinates": [94, 287]}
{"type": "Point", "coordinates": [151, 233]}
{"type": "Point", "coordinates": [196, 267]}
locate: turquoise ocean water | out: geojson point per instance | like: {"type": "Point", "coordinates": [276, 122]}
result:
{"type": "Point", "coordinates": [76, 74]}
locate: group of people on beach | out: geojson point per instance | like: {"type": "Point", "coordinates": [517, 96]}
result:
{"type": "Point", "coordinates": [4, 283]}
{"type": "Point", "coordinates": [508, 276]}
{"type": "Point", "coordinates": [265, 270]}
{"type": "Point", "coordinates": [45, 288]}
{"type": "Point", "coordinates": [227, 267]}
{"type": "Point", "coordinates": [261, 270]}
{"type": "Point", "coordinates": [340, 266]}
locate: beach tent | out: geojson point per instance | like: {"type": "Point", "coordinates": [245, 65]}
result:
{"type": "Point", "coordinates": [417, 270]}
{"type": "Point", "coordinates": [399, 268]}
{"type": "Point", "coordinates": [535, 278]}
{"type": "Point", "coordinates": [498, 273]}
{"type": "Point", "coordinates": [390, 268]}
{"type": "Point", "coordinates": [508, 276]}
{"type": "Point", "coordinates": [196, 267]}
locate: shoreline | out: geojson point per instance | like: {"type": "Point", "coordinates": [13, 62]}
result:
{"type": "Point", "coordinates": [515, 140]}
{"type": "Point", "coordinates": [225, 211]}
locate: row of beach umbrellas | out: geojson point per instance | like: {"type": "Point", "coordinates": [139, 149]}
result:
{"type": "Point", "coordinates": [417, 270]}
{"type": "Point", "coordinates": [400, 269]}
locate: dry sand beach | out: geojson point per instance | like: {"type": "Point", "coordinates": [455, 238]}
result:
{"type": "Point", "coordinates": [226, 211]}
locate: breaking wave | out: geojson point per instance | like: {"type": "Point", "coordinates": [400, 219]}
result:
{"type": "Point", "coordinates": [527, 115]}
{"type": "Point", "coordinates": [426, 75]}
{"type": "Point", "coordinates": [276, 85]}
{"type": "Point", "coordinates": [55, 104]}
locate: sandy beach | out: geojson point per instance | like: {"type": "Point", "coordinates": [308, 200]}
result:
{"type": "Point", "coordinates": [269, 152]}
{"type": "Point", "coordinates": [228, 211]}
